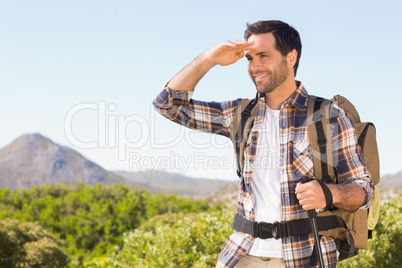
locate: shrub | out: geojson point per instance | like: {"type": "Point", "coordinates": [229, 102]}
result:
{"type": "Point", "coordinates": [195, 240]}
{"type": "Point", "coordinates": [383, 250]}
{"type": "Point", "coordinates": [27, 244]}
{"type": "Point", "coordinates": [91, 220]}
{"type": "Point", "coordinates": [175, 240]}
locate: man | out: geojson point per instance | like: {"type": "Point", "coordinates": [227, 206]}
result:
{"type": "Point", "coordinates": [271, 193]}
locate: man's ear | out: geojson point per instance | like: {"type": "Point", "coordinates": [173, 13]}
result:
{"type": "Point", "coordinates": [292, 58]}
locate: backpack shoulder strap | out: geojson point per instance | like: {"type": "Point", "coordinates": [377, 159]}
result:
{"type": "Point", "coordinates": [319, 133]}
{"type": "Point", "coordinates": [242, 123]}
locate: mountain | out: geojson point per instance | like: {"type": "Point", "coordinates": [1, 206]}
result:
{"type": "Point", "coordinates": [390, 186]}
{"type": "Point", "coordinates": [173, 183]}
{"type": "Point", "coordinates": [33, 160]}
{"type": "Point", "coordinates": [227, 195]}
{"type": "Point", "coordinates": [391, 181]}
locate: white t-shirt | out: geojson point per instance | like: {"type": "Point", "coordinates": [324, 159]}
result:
{"type": "Point", "coordinates": [265, 184]}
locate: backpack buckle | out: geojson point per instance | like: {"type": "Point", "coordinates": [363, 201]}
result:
{"type": "Point", "coordinates": [276, 230]}
{"type": "Point", "coordinates": [266, 230]}
{"type": "Point", "coordinates": [238, 137]}
{"type": "Point", "coordinates": [322, 142]}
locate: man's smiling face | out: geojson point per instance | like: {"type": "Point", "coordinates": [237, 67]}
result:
{"type": "Point", "coordinates": [267, 67]}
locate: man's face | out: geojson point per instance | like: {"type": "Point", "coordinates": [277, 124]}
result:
{"type": "Point", "coordinates": [267, 68]}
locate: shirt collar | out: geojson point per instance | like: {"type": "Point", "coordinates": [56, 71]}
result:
{"type": "Point", "coordinates": [299, 97]}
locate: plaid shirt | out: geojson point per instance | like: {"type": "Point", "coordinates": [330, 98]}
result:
{"type": "Point", "coordinates": [296, 161]}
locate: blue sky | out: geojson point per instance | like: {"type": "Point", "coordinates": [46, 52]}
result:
{"type": "Point", "coordinates": [84, 73]}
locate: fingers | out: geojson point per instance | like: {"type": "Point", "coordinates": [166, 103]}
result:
{"type": "Point", "coordinates": [244, 45]}
{"type": "Point", "coordinates": [228, 52]}
{"type": "Point", "coordinates": [306, 204]}
{"type": "Point", "coordinates": [307, 201]}
{"type": "Point", "coordinates": [302, 187]}
{"type": "Point", "coordinates": [310, 195]}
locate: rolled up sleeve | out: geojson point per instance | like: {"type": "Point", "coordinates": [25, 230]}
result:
{"type": "Point", "coordinates": [211, 117]}
{"type": "Point", "coordinates": [348, 160]}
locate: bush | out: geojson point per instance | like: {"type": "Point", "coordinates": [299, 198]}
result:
{"type": "Point", "coordinates": [27, 244]}
{"type": "Point", "coordinates": [195, 240]}
{"type": "Point", "coordinates": [385, 247]}
{"type": "Point", "coordinates": [91, 220]}
{"type": "Point", "coordinates": [174, 240]}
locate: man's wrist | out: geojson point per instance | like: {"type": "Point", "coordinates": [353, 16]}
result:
{"type": "Point", "coordinates": [206, 61]}
{"type": "Point", "coordinates": [349, 196]}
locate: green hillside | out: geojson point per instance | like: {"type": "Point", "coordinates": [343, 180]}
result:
{"type": "Point", "coordinates": [115, 226]}
{"type": "Point", "coordinates": [86, 221]}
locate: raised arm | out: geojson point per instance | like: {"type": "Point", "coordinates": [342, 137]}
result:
{"type": "Point", "coordinates": [223, 54]}
{"type": "Point", "coordinates": [175, 101]}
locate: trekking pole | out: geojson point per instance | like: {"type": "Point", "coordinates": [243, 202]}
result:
{"type": "Point", "coordinates": [312, 214]}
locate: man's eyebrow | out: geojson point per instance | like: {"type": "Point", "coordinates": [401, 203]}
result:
{"type": "Point", "coordinates": [257, 54]}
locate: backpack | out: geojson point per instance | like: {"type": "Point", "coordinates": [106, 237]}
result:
{"type": "Point", "coordinates": [349, 230]}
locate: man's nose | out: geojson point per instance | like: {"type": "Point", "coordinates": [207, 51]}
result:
{"type": "Point", "coordinates": [255, 64]}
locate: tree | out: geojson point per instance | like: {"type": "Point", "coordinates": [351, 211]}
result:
{"type": "Point", "coordinates": [27, 244]}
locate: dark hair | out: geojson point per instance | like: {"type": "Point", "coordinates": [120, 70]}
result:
{"type": "Point", "coordinates": [286, 37]}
